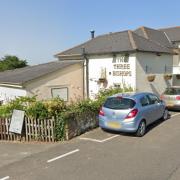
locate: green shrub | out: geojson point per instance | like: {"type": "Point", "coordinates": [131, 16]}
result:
{"type": "Point", "coordinates": [37, 110]}
{"type": "Point", "coordinates": [54, 106]}
{"type": "Point", "coordinates": [60, 124]}
{"type": "Point", "coordinates": [20, 103]}
{"type": "Point", "coordinates": [58, 109]}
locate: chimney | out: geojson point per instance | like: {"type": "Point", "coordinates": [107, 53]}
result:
{"type": "Point", "coordinates": [92, 34]}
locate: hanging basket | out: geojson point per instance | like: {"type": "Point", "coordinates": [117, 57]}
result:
{"type": "Point", "coordinates": [167, 76]}
{"type": "Point", "coordinates": [102, 80]}
{"type": "Point", "coordinates": [151, 78]}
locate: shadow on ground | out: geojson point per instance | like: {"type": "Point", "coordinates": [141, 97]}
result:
{"type": "Point", "coordinates": [149, 128]}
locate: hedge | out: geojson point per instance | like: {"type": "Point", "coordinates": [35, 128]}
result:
{"type": "Point", "coordinates": [70, 120]}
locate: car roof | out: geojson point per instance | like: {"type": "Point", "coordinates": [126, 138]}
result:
{"type": "Point", "coordinates": [174, 87]}
{"type": "Point", "coordinates": [131, 95]}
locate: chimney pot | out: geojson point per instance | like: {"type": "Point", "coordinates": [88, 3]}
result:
{"type": "Point", "coordinates": [92, 34]}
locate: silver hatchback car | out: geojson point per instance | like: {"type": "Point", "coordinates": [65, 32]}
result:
{"type": "Point", "coordinates": [131, 112]}
{"type": "Point", "coordinates": [172, 97]}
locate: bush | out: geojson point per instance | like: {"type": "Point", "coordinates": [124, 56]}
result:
{"type": "Point", "coordinates": [20, 103]}
{"type": "Point", "coordinates": [58, 109]}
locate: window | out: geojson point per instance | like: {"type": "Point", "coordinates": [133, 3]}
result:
{"type": "Point", "coordinates": [153, 99]}
{"type": "Point", "coordinates": [144, 101]}
{"type": "Point", "coordinates": [119, 103]}
{"type": "Point", "coordinates": [172, 91]}
{"type": "Point", "coordinates": [62, 93]}
{"type": "Point", "coordinates": [117, 85]}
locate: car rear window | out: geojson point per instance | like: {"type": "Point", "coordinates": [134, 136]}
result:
{"type": "Point", "coordinates": [119, 103]}
{"type": "Point", "coordinates": [172, 91]}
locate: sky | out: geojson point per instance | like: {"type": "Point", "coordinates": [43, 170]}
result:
{"type": "Point", "coordinates": [36, 30]}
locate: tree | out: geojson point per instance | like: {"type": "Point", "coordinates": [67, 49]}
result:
{"type": "Point", "coordinates": [11, 62]}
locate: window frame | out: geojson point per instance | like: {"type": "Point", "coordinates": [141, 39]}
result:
{"type": "Point", "coordinates": [150, 100]}
{"type": "Point", "coordinates": [55, 88]}
{"type": "Point", "coordinates": [147, 100]}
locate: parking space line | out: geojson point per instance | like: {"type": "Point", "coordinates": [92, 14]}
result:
{"type": "Point", "coordinates": [112, 137]}
{"type": "Point", "coordinates": [90, 139]}
{"type": "Point", "coordinates": [175, 114]}
{"type": "Point", "coordinates": [4, 178]}
{"type": "Point", "coordinates": [97, 140]}
{"type": "Point", "coordinates": [61, 156]}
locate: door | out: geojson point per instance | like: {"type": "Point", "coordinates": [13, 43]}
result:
{"type": "Point", "coordinates": [147, 109]}
{"type": "Point", "coordinates": [156, 106]}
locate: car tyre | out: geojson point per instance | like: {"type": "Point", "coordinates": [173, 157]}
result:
{"type": "Point", "coordinates": [165, 114]}
{"type": "Point", "coordinates": [141, 131]}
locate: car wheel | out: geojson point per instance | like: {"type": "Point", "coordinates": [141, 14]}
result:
{"type": "Point", "coordinates": [141, 129]}
{"type": "Point", "coordinates": [165, 114]}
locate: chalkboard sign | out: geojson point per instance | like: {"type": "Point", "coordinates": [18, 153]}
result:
{"type": "Point", "coordinates": [17, 121]}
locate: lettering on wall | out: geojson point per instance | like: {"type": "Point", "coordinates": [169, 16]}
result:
{"type": "Point", "coordinates": [121, 66]}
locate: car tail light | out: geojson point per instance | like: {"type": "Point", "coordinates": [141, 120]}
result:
{"type": "Point", "coordinates": [162, 97]}
{"type": "Point", "coordinates": [132, 114]}
{"type": "Point", "coordinates": [177, 97]}
{"type": "Point", "coordinates": [101, 113]}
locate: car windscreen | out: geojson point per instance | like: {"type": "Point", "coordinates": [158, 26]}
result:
{"type": "Point", "coordinates": [119, 103]}
{"type": "Point", "coordinates": [172, 91]}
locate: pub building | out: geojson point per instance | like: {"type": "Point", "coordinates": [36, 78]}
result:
{"type": "Point", "coordinates": [141, 59]}
{"type": "Point", "coordinates": [145, 59]}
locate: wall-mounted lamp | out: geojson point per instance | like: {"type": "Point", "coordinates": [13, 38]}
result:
{"type": "Point", "coordinates": [114, 58]}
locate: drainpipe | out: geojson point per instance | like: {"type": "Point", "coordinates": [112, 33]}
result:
{"type": "Point", "coordinates": [83, 82]}
{"type": "Point", "coordinates": [86, 73]}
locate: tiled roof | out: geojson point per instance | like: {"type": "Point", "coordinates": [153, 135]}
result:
{"type": "Point", "coordinates": [173, 33]}
{"type": "Point", "coordinates": [22, 75]}
{"type": "Point", "coordinates": [155, 35]}
{"type": "Point", "coordinates": [112, 42]}
{"type": "Point", "coordinates": [147, 45]}
{"type": "Point", "coordinates": [115, 43]}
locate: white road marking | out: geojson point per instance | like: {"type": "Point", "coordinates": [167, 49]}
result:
{"type": "Point", "coordinates": [91, 139]}
{"type": "Point", "coordinates": [61, 156]}
{"type": "Point", "coordinates": [4, 178]}
{"type": "Point", "coordinates": [112, 137]}
{"type": "Point", "coordinates": [175, 114]}
{"type": "Point", "coordinates": [97, 140]}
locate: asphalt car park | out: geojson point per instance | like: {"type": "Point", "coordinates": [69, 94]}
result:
{"type": "Point", "coordinates": [99, 135]}
{"type": "Point", "coordinates": [103, 155]}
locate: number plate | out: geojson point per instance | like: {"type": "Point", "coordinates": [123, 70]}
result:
{"type": "Point", "coordinates": [115, 125]}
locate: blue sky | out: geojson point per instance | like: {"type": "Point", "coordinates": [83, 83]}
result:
{"type": "Point", "coordinates": [35, 30]}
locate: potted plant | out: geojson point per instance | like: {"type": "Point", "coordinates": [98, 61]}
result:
{"type": "Point", "coordinates": [167, 76]}
{"type": "Point", "coordinates": [151, 77]}
{"type": "Point", "coordinates": [102, 78]}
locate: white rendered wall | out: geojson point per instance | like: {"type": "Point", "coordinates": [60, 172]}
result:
{"type": "Point", "coordinates": [151, 64]}
{"type": "Point", "coordinates": [9, 93]}
{"type": "Point", "coordinates": [118, 72]}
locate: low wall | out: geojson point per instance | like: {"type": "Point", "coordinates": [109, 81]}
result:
{"type": "Point", "coordinates": [44, 130]}
{"type": "Point", "coordinates": [80, 123]}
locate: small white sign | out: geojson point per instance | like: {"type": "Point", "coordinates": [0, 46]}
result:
{"type": "Point", "coordinates": [17, 121]}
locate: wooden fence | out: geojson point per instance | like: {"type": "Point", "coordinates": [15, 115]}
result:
{"type": "Point", "coordinates": [33, 130]}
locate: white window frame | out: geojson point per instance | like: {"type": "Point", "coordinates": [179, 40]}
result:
{"type": "Point", "coordinates": [60, 88]}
